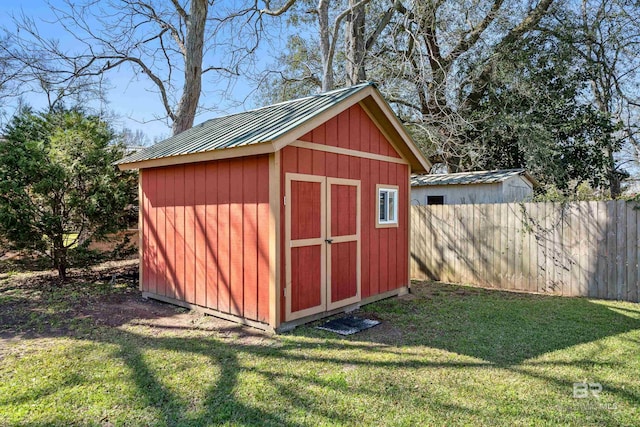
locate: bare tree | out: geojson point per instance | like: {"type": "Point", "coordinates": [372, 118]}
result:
{"type": "Point", "coordinates": [172, 44]}
{"type": "Point", "coordinates": [365, 23]}
{"type": "Point", "coordinates": [331, 17]}
{"type": "Point", "coordinates": [354, 44]}
{"type": "Point", "coordinates": [433, 58]}
{"type": "Point", "coordinates": [606, 33]}
{"type": "Point", "coordinates": [437, 56]}
{"type": "Point", "coordinates": [8, 69]}
{"type": "Point", "coordinates": [437, 60]}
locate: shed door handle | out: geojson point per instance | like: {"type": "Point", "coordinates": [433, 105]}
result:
{"type": "Point", "coordinates": [329, 241]}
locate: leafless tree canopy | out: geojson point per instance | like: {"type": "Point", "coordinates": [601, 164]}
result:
{"type": "Point", "coordinates": [170, 44]}
{"type": "Point", "coordinates": [607, 37]}
{"type": "Point", "coordinates": [434, 59]}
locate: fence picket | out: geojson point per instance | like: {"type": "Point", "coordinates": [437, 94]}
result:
{"type": "Point", "coordinates": [631, 235]}
{"type": "Point", "coordinates": [532, 261]}
{"type": "Point", "coordinates": [585, 248]}
{"type": "Point", "coordinates": [621, 249]}
{"type": "Point", "coordinates": [541, 266]}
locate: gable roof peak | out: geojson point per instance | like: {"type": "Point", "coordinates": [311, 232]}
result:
{"type": "Point", "coordinates": [270, 127]}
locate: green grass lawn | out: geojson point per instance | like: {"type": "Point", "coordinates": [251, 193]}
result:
{"type": "Point", "coordinates": [446, 355]}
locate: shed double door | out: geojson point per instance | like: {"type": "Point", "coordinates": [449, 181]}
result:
{"type": "Point", "coordinates": [322, 241]}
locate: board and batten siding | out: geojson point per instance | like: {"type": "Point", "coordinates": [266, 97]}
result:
{"type": "Point", "coordinates": [384, 257]}
{"type": "Point", "coordinates": [206, 235]}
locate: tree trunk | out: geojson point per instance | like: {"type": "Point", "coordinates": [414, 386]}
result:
{"type": "Point", "coordinates": [325, 46]}
{"type": "Point", "coordinates": [62, 270]}
{"type": "Point", "coordinates": [194, 46]}
{"type": "Point", "coordinates": [355, 45]}
{"type": "Point", "coordinates": [615, 187]}
{"type": "Point", "coordinates": [60, 257]}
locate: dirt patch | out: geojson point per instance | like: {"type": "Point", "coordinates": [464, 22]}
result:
{"type": "Point", "coordinates": [384, 333]}
{"type": "Point", "coordinates": [38, 305]}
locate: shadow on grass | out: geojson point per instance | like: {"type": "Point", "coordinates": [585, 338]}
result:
{"type": "Point", "coordinates": [220, 403]}
{"type": "Point", "coordinates": [503, 328]}
{"type": "Point", "coordinates": [497, 328]}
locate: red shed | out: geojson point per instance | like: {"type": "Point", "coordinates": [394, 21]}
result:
{"type": "Point", "coordinates": [281, 215]}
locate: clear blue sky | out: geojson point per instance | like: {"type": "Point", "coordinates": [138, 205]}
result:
{"type": "Point", "coordinates": [133, 99]}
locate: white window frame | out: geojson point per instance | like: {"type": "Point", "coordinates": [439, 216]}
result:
{"type": "Point", "coordinates": [389, 189]}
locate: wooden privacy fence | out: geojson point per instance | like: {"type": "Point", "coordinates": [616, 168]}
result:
{"type": "Point", "coordinates": [577, 249]}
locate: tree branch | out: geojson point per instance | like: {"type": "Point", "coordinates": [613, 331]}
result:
{"type": "Point", "coordinates": [382, 24]}
{"type": "Point", "coordinates": [276, 12]}
{"type": "Point", "coordinates": [470, 38]}
{"type": "Point", "coordinates": [336, 28]}
{"type": "Point", "coordinates": [531, 20]}
{"type": "Point", "coordinates": [183, 13]}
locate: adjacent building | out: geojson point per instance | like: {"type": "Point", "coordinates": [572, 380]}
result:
{"type": "Point", "coordinates": [497, 186]}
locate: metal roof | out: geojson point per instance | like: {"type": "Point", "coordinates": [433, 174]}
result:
{"type": "Point", "coordinates": [480, 177]}
{"type": "Point", "coordinates": [250, 127]}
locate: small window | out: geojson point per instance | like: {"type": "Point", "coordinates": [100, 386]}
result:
{"type": "Point", "coordinates": [387, 209]}
{"type": "Point", "coordinates": [435, 200]}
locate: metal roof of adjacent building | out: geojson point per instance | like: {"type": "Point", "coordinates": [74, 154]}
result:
{"type": "Point", "coordinates": [241, 129]}
{"type": "Point", "coordinates": [479, 177]}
